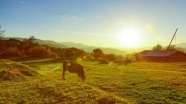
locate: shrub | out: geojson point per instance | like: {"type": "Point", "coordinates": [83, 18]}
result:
{"type": "Point", "coordinates": [12, 51]}
{"type": "Point", "coordinates": [103, 61]}
{"type": "Point", "coordinates": [41, 51]}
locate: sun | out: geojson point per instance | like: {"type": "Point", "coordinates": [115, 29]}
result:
{"type": "Point", "coordinates": [129, 38]}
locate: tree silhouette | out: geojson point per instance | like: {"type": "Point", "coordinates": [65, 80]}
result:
{"type": "Point", "coordinates": [1, 33]}
{"type": "Point", "coordinates": [70, 53]}
{"type": "Point", "coordinates": [98, 53]}
{"type": "Point", "coordinates": [28, 43]}
{"type": "Point", "coordinates": [158, 47]}
{"type": "Point", "coordinates": [110, 57]}
{"type": "Point", "coordinates": [172, 47]}
{"type": "Point", "coordinates": [2, 46]}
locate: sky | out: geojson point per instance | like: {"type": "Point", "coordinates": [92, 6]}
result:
{"type": "Point", "coordinates": [101, 23]}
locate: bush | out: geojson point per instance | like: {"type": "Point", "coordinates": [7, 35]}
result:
{"type": "Point", "coordinates": [103, 61]}
{"type": "Point", "coordinates": [41, 51]}
{"type": "Point", "coordinates": [12, 51]}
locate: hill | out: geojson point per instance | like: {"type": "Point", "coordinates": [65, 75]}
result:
{"type": "Point", "coordinates": [72, 44]}
{"type": "Point", "coordinates": [51, 43]}
{"type": "Point", "coordinates": [42, 42]}
{"type": "Point", "coordinates": [91, 48]}
{"type": "Point", "coordinates": [11, 70]}
{"type": "Point", "coordinates": [76, 45]}
{"type": "Point", "coordinates": [182, 45]}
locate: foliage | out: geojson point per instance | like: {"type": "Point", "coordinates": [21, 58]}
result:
{"type": "Point", "coordinates": [110, 57]}
{"type": "Point", "coordinates": [1, 41]}
{"type": "Point", "coordinates": [26, 48]}
{"type": "Point", "coordinates": [41, 51]}
{"type": "Point", "coordinates": [98, 53]}
{"type": "Point", "coordinates": [172, 47]}
{"type": "Point", "coordinates": [138, 56]}
{"type": "Point", "coordinates": [73, 53]}
{"type": "Point", "coordinates": [12, 51]}
{"type": "Point", "coordinates": [28, 43]}
{"type": "Point", "coordinates": [1, 33]}
{"type": "Point", "coordinates": [158, 47]}
{"type": "Point", "coordinates": [29, 48]}
{"type": "Point", "coordinates": [70, 53]}
{"type": "Point", "coordinates": [103, 61]}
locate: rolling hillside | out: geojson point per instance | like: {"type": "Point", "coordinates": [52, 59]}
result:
{"type": "Point", "coordinates": [91, 48]}
{"type": "Point", "coordinates": [42, 42]}
{"type": "Point", "coordinates": [182, 45]}
{"type": "Point", "coordinates": [76, 45]}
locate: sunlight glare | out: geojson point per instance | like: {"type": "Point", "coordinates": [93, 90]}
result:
{"type": "Point", "coordinates": [129, 38]}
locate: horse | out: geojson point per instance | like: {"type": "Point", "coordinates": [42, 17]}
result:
{"type": "Point", "coordinates": [73, 67]}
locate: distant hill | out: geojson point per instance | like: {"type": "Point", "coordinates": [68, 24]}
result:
{"type": "Point", "coordinates": [72, 44]}
{"type": "Point", "coordinates": [76, 45]}
{"type": "Point", "coordinates": [182, 45]}
{"type": "Point", "coordinates": [91, 48]}
{"type": "Point", "coordinates": [51, 43]}
{"type": "Point", "coordinates": [43, 42]}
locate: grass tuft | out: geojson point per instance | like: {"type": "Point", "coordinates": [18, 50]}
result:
{"type": "Point", "coordinates": [10, 70]}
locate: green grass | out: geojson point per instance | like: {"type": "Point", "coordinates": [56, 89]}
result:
{"type": "Point", "coordinates": [136, 83]}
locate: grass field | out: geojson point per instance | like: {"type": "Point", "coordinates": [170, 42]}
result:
{"type": "Point", "coordinates": [136, 83]}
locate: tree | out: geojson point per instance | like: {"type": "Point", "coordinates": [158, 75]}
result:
{"type": "Point", "coordinates": [158, 47]}
{"type": "Point", "coordinates": [172, 47]}
{"type": "Point", "coordinates": [110, 57]}
{"type": "Point", "coordinates": [138, 56]}
{"type": "Point", "coordinates": [1, 37]}
{"type": "Point", "coordinates": [28, 43]}
{"type": "Point", "coordinates": [98, 53]}
{"type": "Point", "coordinates": [1, 33]}
{"type": "Point", "coordinates": [70, 53]}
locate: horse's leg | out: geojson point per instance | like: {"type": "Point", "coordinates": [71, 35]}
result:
{"type": "Point", "coordinates": [79, 78]}
{"type": "Point", "coordinates": [63, 77]}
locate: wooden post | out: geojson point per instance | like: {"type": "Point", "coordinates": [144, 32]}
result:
{"type": "Point", "coordinates": [169, 44]}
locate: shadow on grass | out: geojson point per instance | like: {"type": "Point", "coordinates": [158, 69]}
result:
{"type": "Point", "coordinates": [38, 61]}
{"type": "Point", "coordinates": [35, 62]}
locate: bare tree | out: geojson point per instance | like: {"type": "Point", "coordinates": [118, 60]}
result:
{"type": "Point", "coordinates": [28, 43]}
{"type": "Point", "coordinates": [1, 33]}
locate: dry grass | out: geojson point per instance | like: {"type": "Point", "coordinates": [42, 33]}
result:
{"type": "Point", "coordinates": [173, 74]}
{"type": "Point", "coordinates": [10, 70]}
{"type": "Point", "coordinates": [136, 83]}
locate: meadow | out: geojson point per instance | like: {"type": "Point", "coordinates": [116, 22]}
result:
{"type": "Point", "coordinates": [135, 83]}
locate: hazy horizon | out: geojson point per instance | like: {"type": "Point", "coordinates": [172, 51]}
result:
{"type": "Point", "coordinates": [105, 23]}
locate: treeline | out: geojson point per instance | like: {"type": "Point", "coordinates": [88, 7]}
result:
{"type": "Point", "coordinates": [26, 48]}
{"type": "Point", "coordinates": [29, 48]}
{"type": "Point", "coordinates": [159, 47]}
